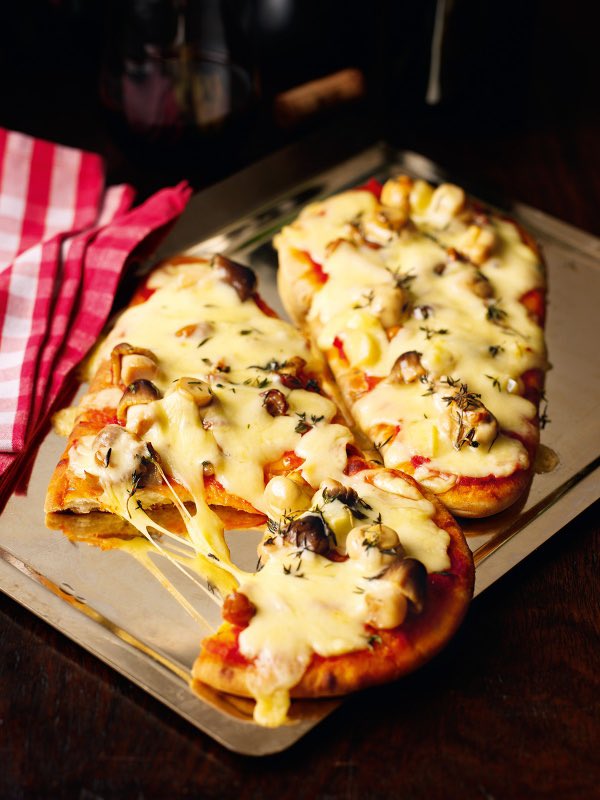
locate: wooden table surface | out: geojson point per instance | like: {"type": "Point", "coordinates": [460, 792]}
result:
{"type": "Point", "coordinates": [509, 710]}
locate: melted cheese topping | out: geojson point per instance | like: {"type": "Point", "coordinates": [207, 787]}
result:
{"type": "Point", "coordinates": [305, 603]}
{"type": "Point", "coordinates": [411, 294]}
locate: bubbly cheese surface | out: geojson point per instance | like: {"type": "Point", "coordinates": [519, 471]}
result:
{"type": "Point", "coordinates": [413, 289]}
{"type": "Point", "coordinates": [196, 327]}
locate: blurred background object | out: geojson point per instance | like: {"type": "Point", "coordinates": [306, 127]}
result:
{"type": "Point", "coordinates": [198, 88]}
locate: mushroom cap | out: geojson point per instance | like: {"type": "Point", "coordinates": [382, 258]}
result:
{"type": "Point", "coordinates": [241, 278]}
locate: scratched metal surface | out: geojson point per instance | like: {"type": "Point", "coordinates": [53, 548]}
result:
{"type": "Point", "coordinates": [110, 605]}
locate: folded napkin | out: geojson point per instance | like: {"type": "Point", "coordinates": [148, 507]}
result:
{"type": "Point", "coordinates": [64, 241]}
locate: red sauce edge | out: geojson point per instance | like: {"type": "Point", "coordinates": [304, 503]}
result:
{"type": "Point", "coordinates": [372, 185]}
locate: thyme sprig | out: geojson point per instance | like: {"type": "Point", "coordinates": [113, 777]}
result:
{"type": "Point", "coordinates": [271, 366]}
{"type": "Point", "coordinates": [429, 332]}
{"type": "Point", "coordinates": [495, 314]}
{"type": "Point", "coordinates": [402, 280]}
{"type": "Point", "coordinates": [495, 382]}
{"type": "Point", "coordinates": [379, 445]}
{"type": "Point", "coordinates": [367, 299]}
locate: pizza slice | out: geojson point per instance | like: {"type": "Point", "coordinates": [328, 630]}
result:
{"type": "Point", "coordinates": [206, 412]}
{"type": "Point", "coordinates": [430, 312]}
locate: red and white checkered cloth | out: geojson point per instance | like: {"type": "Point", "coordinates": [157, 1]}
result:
{"type": "Point", "coordinates": [64, 241]}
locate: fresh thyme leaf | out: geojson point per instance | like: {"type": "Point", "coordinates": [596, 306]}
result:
{"type": "Point", "coordinates": [422, 312]}
{"type": "Point", "coordinates": [374, 639]}
{"type": "Point", "coordinates": [368, 299]}
{"type": "Point", "coordinates": [315, 420]}
{"type": "Point", "coordinates": [358, 590]}
{"type": "Point", "coordinates": [204, 341]}
{"type": "Point", "coordinates": [495, 382]}
{"type": "Point", "coordinates": [495, 314]}
{"type": "Point", "coordinates": [136, 477]}
{"type": "Point", "coordinates": [450, 381]}
{"type": "Point", "coordinates": [287, 568]}
{"type": "Point", "coordinates": [213, 556]}
{"type": "Point", "coordinates": [544, 418]}
{"type": "Point", "coordinates": [302, 426]}
{"type": "Point", "coordinates": [464, 400]}
{"type": "Point", "coordinates": [379, 445]}
{"type": "Point", "coordinates": [271, 366]}
{"type": "Point", "coordinates": [469, 439]}
{"type": "Point", "coordinates": [402, 280]}
{"type": "Point", "coordinates": [429, 332]}
{"type": "Point", "coordinates": [107, 457]}
{"type": "Point", "coordinates": [495, 349]}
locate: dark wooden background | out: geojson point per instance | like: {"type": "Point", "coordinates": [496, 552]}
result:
{"type": "Point", "coordinates": [511, 708]}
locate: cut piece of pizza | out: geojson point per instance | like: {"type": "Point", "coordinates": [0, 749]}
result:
{"type": "Point", "coordinates": [197, 364]}
{"type": "Point", "coordinates": [361, 588]}
{"type": "Point", "coordinates": [430, 312]}
{"type": "Point", "coordinates": [207, 412]}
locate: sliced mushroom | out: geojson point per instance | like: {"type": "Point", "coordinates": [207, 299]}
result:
{"type": "Point", "coordinates": [334, 490]}
{"type": "Point", "coordinates": [141, 418]}
{"type": "Point", "coordinates": [396, 192]}
{"type": "Point", "coordinates": [194, 389]}
{"type": "Point", "coordinates": [446, 203]}
{"type": "Point", "coordinates": [411, 577]}
{"type": "Point", "coordinates": [292, 366]}
{"type": "Point", "coordinates": [375, 543]}
{"type": "Point", "coordinates": [287, 493]}
{"type": "Point", "coordinates": [137, 393]}
{"type": "Point", "coordinates": [308, 533]}
{"type": "Point", "coordinates": [476, 243]}
{"type": "Point", "coordinates": [126, 359]}
{"type": "Point", "coordinates": [125, 454]}
{"type": "Point", "coordinates": [381, 226]}
{"type": "Point", "coordinates": [241, 278]}
{"type": "Point", "coordinates": [105, 441]}
{"type": "Point", "coordinates": [275, 402]}
{"type": "Point", "coordinates": [480, 285]}
{"type": "Point", "coordinates": [387, 606]}
{"type": "Point", "coordinates": [407, 368]}
{"type": "Point", "coordinates": [469, 421]}
{"type": "Point", "coordinates": [290, 371]}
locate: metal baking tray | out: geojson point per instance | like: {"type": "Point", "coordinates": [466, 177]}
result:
{"type": "Point", "coordinates": [111, 606]}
